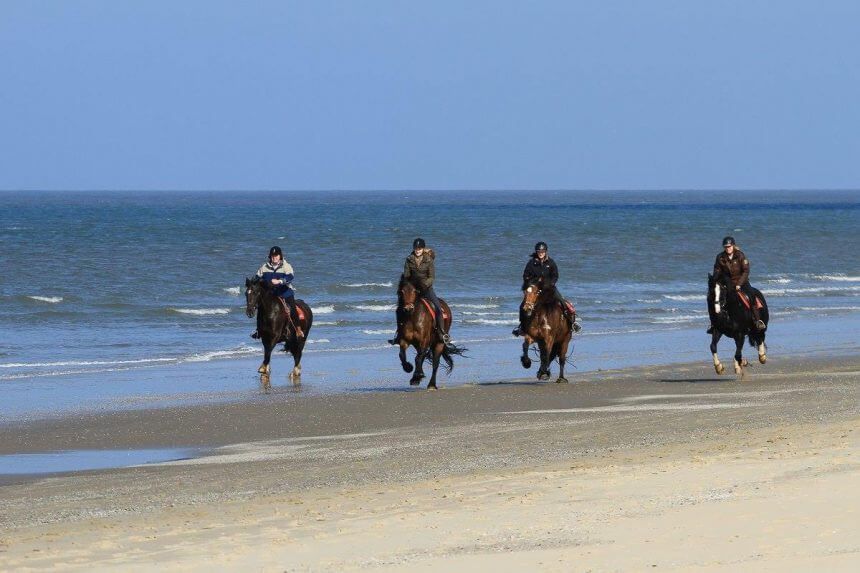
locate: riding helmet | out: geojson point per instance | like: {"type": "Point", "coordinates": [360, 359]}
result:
{"type": "Point", "coordinates": [418, 243]}
{"type": "Point", "coordinates": [541, 246]}
{"type": "Point", "coordinates": [275, 251]}
{"type": "Point", "coordinates": [728, 241]}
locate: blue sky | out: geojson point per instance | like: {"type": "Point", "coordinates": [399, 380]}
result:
{"type": "Point", "coordinates": [429, 95]}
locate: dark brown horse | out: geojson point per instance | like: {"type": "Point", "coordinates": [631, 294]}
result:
{"type": "Point", "coordinates": [546, 325]}
{"type": "Point", "coordinates": [274, 326]}
{"type": "Point", "coordinates": [731, 317]}
{"type": "Point", "coordinates": [416, 327]}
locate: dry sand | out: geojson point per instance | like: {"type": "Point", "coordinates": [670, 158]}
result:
{"type": "Point", "coordinates": [664, 467]}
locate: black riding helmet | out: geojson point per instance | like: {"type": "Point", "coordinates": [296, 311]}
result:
{"type": "Point", "coordinates": [541, 246]}
{"type": "Point", "coordinates": [728, 241]}
{"type": "Point", "coordinates": [418, 243]}
{"type": "Point", "coordinates": [275, 251]}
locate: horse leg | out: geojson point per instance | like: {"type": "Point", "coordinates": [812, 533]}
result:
{"type": "Point", "coordinates": [715, 337]}
{"type": "Point", "coordinates": [265, 370]}
{"type": "Point", "coordinates": [762, 351]}
{"type": "Point", "coordinates": [419, 366]}
{"type": "Point", "coordinates": [524, 359]}
{"type": "Point", "coordinates": [403, 362]}
{"type": "Point", "coordinates": [543, 371]}
{"type": "Point", "coordinates": [296, 350]}
{"type": "Point", "coordinates": [562, 358]}
{"type": "Point", "coordinates": [437, 353]}
{"type": "Point", "coordinates": [739, 361]}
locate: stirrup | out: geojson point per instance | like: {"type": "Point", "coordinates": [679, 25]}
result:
{"type": "Point", "coordinates": [710, 329]}
{"type": "Point", "coordinates": [299, 332]}
{"type": "Point", "coordinates": [255, 335]}
{"type": "Point", "coordinates": [760, 325]}
{"type": "Point", "coordinates": [576, 326]}
{"type": "Point", "coordinates": [517, 331]}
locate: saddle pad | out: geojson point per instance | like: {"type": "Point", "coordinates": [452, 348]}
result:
{"type": "Point", "coordinates": [570, 307]}
{"type": "Point", "coordinates": [746, 301]}
{"type": "Point", "coordinates": [433, 312]}
{"type": "Point", "coordinates": [299, 310]}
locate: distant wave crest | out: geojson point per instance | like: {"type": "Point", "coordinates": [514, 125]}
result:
{"type": "Point", "coordinates": [201, 311]}
{"type": "Point", "coordinates": [50, 299]}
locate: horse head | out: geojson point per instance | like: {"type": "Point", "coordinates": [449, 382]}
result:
{"type": "Point", "coordinates": [530, 297]}
{"type": "Point", "coordinates": [253, 288]}
{"type": "Point", "coordinates": [719, 289]}
{"type": "Point", "coordinates": [407, 295]}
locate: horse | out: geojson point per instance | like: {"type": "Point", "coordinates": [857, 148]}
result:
{"type": "Point", "coordinates": [546, 325]}
{"type": "Point", "coordinates": [731, 317]}
{"type": "Point", "coordinates": [273, 326]}
{"type": "Point", "coordinates": [416, 327]}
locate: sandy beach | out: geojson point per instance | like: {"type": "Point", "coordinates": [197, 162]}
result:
{"type": "Point", "coordinates": [666, 467]}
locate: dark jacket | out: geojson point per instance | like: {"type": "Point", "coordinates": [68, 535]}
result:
{"type": "Point", "coordinates": [738, 267]}
{"type": "Point", "coordinates": [420, 273]}
{"type": "Point", "coordinates": [536, 270]}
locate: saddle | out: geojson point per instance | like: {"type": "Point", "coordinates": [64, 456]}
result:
{"type": "Point", "coordinates": [299, 312]}
{"type": "Point", "coordinates": [432, 311]}
{"type": "Point", "coordinates": [570, 308]}
{"type": "Point", "coordinates": [746, 301]}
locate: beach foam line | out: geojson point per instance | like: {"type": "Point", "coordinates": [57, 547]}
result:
{"type": "Point", "coordinates": [679, 318]}
{"type": "Point", "coordinates": [83, 363]}
{"type": "Point", "coordinates": [50, 299]}
{"type": "Point", "coordinates": [684, 297]}
{"type": "Point", "coordinates": [809, 290]}
{"type": "Point", "coordinates": [838, 278]}
{"type": "Point", "coordinates": [491, 322]}
{"type": "Point", "coordinates": [375, 307]}
{"type": "Point", "coordinates": [201, 311]}
{"type": "Point", "coordinates": [322, 309]}
{"type": "Point", "coordinates": [232, 290]}
{"type": "Point", "coordinates": [362, 285]}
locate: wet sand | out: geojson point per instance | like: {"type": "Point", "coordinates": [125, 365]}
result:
{"type": "Point", "coordinates": [673, 467]}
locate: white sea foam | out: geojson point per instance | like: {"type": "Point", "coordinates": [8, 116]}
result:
{"type": "Point", "coordinates": [383, 331]}
{"type": "Point", "coordinates": [318, 340]}
{"type": "Point", "coordinates": [360, 285]}
{"type": "Point", "coordinates": [375, 307]}
{"type": "Point", "coordinates": [82, 363]}
{"type": "Point", "coordinates": [679, 318]}
{"type": "Point", "coordinates": [51, 299]}
{"type": "Point", "coordinates": [780, 280]}
{"type": "Point", "coordinates": [326, 323]}
{"type": "Point", "coordinates": [648, 300]}
{"type": "Point", "coordinates": [232, 290]}
{"type": "Point", "coordinates": [323, 309]}
{"type": "Point", "coordinates": [809, 290]}
{"type": "Point", "coordinates": [201, 311]}
{"type": "Point", "coordinates": [684, 297]}
{"type": "Point", "coordinates": [829, 307]}
{"type": "Point", "coordinates": [475, 306]}
{"type": "Point", "coordinates": [838, 278]}
{"type": "Point", "coordinates": [215, 354]}
{"type": "Point", "coordinates": [491, 322]}
{"type": "Point", "coordinates": [495, 313]}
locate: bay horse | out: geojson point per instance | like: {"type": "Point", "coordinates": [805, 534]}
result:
{"type": "Point", "coordinates": [274, 327]}
{"type": "Point", "coordinates": [731, 317]}
{"type": "Point", "coordinates": [546, 325]}
{"type": "Point", "coordinates": [416, 327]}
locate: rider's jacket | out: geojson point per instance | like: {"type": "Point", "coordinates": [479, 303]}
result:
{"type": "Point", "coordinates": [738, 267]}
{"type": "Point", "coordinates": [420, 272]}
{"type": "Point", "coordinates": [282, 271]}
{"type": "Point", "coordinates": [537, 269]}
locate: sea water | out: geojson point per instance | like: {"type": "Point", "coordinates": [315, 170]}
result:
{"type": "Point", "coordinates": [117, 300]}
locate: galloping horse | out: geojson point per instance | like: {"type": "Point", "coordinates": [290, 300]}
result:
{"type": "Point", "coordinates": [547, 326]}
{"type": "Point", "coordinates": [274, 326]}
{"type": "Point", "coordinates": [730, 316]}
{"type": "Point", "coordinates": [416, 327]}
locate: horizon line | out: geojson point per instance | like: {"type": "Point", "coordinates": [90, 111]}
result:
{"type": "Point", "coordinates": [444, 190]}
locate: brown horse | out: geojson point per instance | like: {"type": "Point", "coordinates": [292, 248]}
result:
{"type": "Point", "coordinates": [546, 325]}
{"type": "Point", "coordinates": [416, 327]}
{"type": "Point", "coordinates": [274, 326]}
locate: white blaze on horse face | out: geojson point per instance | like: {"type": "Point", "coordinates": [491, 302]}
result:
{"type": "Point", "coordinates": [717, 299]}
{"type": "Point", "coordinates": [530, 289]}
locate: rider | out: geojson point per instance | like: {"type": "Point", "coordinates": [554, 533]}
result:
{"type": "Point", "coordinates": [541, 266]}
{"type": "Point", "coordinates": [279, 274]}
{"type": "Point", "coordinates": [734, 263]}
{"type": "Point", "coordinates": [420, 270]}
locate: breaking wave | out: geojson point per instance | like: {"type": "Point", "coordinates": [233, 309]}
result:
{"type": "Point", "coordinates": [201, 311]}
{"type": "Point", "coordinates": [50, 299]}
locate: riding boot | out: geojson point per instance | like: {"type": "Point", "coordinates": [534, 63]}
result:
{"type": "Point", "coordinates": [519, 330]}
{"type": "Point", "coordinates": [710, 329]}
{"type": "Point", "coordinates": [757, 321]}
{"type": "Point", "coordinates": [396, 340]}
{"type": "Point", "coordinates": [255, 335]}
{"type": "Point", "coordinates": [295, 319]}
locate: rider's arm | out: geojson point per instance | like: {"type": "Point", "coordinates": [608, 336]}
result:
{"type": "Point", "coordinates": [431, 275]}
{"type": "Point", "coordinates": [553, 273]}
{"type": "Point", "coordinates": [407, 270]}
{"type": "Point", "coordinates": [717, 267]}
{"type": "Point", "coordinates": [745, 271]}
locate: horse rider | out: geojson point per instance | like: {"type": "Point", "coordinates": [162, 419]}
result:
{"type": "Point", "coordinates": [733, 263]}
{"type": "Point", "coordinates": [278, 273]}
{"type": "Point", "coordinates": [420, 270]}
{"type": "Point", "coordinates": [541, 267]}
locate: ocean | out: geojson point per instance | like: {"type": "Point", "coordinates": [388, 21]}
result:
{"type": "Point", "coordinates": [123, 300]}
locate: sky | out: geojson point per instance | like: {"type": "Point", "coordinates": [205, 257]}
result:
{"type": "Point", "coordinates": [374, 94]}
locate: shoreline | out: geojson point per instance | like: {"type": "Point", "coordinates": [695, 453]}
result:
{"type": "Point", "coordinates": [624, 469]}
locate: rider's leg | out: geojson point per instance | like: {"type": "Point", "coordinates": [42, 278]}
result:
{"type": "Point", "coordinates": [430, 295]}
{"type": "Point", "coordinates": [564, 309]}
{"type": "Point", "coordinates": [751, 296]}
{"type": "Point", "coordinates": [294, 316]}
{"type": "Point", "coordinates": [521, 327]}
{"type": "Point", "coordinates": [396, 340]}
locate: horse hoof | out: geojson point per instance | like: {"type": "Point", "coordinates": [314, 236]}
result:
{"type": "Point", "coordinates": [526, 362]}
{"type": "Point", "coordinates": [415, 382]}
{"type": "Point", "coordinates": [261, 369]}
{"type": "Point", "coordinates": [762, 358]}
{"type": "Point", "coordinates": [433, 387]}
{"type": "Point", "coordinates": [561, 380]}
{"type": "Point", "coordinates": [544, 376]}
{"type": "Point", "coordinates": [719, 368]}
{"type": "Point", "coordinates": [745, 363]}
{"type": "Point", "coordinates": [407, 367]}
